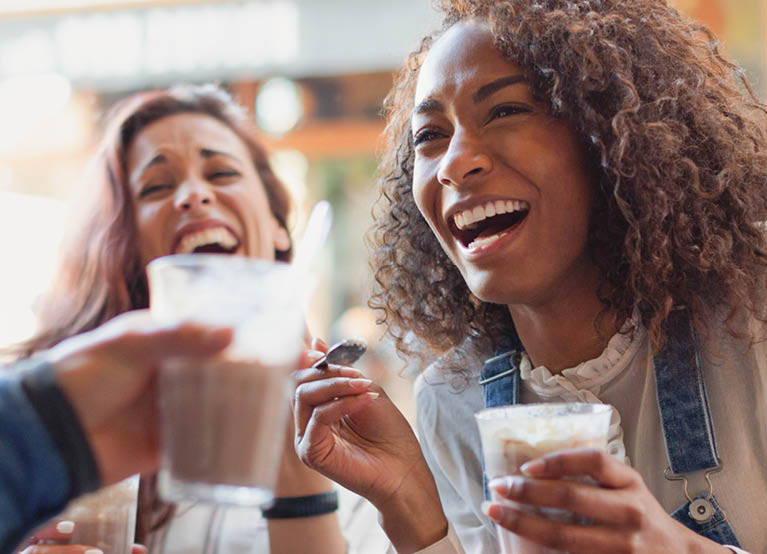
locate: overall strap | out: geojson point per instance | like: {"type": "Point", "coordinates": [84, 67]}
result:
{"type": "Point", "coordinates": [682, 400]}
{"type": "Point", "coordinates": [688, 429]}
{"type": "Point", "coordinates": [500, 374]}
{"type": "Point", "coordinates": [501, 382]}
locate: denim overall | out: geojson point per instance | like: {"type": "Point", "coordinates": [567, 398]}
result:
{"type": "Point", "coordinates": [688, 431]}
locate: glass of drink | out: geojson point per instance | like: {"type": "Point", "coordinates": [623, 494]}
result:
{"type": "Point", "coordinates": [513, 435]}
{"type": "Point", "coordinates": [105, 519]}
{"type": "Point", "coordinates": [223, 420]}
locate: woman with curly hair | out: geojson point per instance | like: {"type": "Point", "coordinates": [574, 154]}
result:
{"type": "Point", "coordinates": [571, 207]}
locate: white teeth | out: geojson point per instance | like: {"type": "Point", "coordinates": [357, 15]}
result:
{"type": "Point", "coordinates": [467, 218]}
{"type": "Point", "coordinates": [214, 235]}
{"type": "Point", "coordinates": [480, 242]}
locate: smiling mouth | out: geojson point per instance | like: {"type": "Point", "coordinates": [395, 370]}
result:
{"type": "Point", "coordinates": [216, 240]}
{"type": "Point", "coordinates": [488, 222]}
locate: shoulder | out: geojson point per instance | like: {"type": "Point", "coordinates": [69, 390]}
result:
{"type": "Point", "coordinates": [448, 389]}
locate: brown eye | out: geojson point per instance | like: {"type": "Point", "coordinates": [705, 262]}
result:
{"type": "Point", "coordinates": [426, 135]}
{"type": "Point", "coordinates": [150, 190]}
{"type": "Point", "coordinates": [223, 175]}
{"type": "Point", "coordinates": [506, 110]}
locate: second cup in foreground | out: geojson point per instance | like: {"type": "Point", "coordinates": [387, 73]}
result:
{"type": "Point", "coordinates": [513, 435]}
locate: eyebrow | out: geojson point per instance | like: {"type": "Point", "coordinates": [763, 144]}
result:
{"type": "Point", "coordinates": [494, 86]}
{"type": "Point", "coordinates": [431, 105]}
{"type": "Point", "coordinates": [208, 153]}
{"type": "Point", "coordinates": [158, 159]}
{"type": "Point", "coordinates": [204, 152]}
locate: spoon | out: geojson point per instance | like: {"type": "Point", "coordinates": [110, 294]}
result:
{"type": "Point", "coordinates": [345, 352]}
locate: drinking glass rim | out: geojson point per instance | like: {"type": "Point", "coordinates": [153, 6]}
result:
{"type": "Point", "coordinates": [213, 260]}
{"type": "Point", "coordinates": [569, 409]}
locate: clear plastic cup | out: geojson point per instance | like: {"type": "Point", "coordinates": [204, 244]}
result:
{"type": "Point", "coordinates": [105, 519]}
{"type": "Point", "coordinates": [513, 435]}
{"type": "Point", "coordinates": [223, 420]}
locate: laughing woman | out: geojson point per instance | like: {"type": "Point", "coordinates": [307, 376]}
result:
{"type": "Point", "coordinates": [180, 171]}
{"type": "Point", "coordinates": [571, 210]}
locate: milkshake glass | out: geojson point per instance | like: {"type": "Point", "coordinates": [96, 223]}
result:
{"type": "Point", "coordinates": [513, 435]}
{"type": "Point", "coordinates": [105, 519]}
{"type": "Point", "coordinates": [223, 420]}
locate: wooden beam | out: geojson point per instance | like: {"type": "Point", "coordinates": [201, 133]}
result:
{"type": "Point", "coordinates": [332, 139]}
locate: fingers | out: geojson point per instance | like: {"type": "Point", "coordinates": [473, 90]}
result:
{"type": "Point", "coordinates": [604, 505]}
{"type": "Point", "coordinates": [187, 339]}
{"type": "Point", "coordinates": [576, 539]}
{"type": "Point", "coordinates": [59, 531]}
{"type": "Point", "coordinates": [605, 469]}
{"type": "Point", "coordinates": [310, 395]}
{"type": "Point", "coordinates": [314, 374]}
{"type": "Point", "coordinates": [61, 549]}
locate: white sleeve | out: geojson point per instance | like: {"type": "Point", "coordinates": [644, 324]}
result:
{"type": "Point", "coordinates": [452, 462]}
{"type": "Point", "coordinates": [449, 545]}
{"type": "Point", "coordinates": [736, 549]}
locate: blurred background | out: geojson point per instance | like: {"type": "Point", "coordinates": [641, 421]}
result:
{"type": "Point", "coordinates": [313, 73]}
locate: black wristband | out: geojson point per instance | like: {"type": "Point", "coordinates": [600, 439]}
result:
{"type": "Point", "coordinates": [302, 506]}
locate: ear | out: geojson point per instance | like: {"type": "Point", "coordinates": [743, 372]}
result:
{"type": "Point", "coordinates": [281, 237]}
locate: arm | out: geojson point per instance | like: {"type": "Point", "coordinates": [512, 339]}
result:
{"type": "Point", "coordinates": [35, 481]}
{"type": "Point", "coordinates": [320, 534]}
{"type": "Point", "coordinates": [78, 416]}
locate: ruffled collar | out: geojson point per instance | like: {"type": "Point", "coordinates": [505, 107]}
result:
{"type": "Point", "coordinates": [584, 382]}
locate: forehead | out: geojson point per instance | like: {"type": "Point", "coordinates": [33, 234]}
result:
{"type": "Point", "coordinates": [187, 133]}
{"type": "Point", "coordinates": [464, 56]}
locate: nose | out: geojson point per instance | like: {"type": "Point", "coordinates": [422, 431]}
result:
{"type": "Point", "coordinates": [466, 160]}
{"type": "Point", "coordinates": [193, 193]}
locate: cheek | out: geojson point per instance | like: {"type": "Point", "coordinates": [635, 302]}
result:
{"type": "Point", "coordinates": [423, 191]}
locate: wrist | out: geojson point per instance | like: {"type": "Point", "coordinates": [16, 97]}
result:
{"type": "Point", "coordinates": [413, 517]}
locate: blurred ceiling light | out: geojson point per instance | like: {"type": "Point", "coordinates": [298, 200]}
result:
{"type": "Point", "coordinates": [279, 105]}
{"type": "Point", "coordinates": [27, 102]}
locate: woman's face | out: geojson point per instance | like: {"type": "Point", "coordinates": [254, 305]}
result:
{"type": "Point", "coordinates": [196, 189]}
{"type": "Point", "coordinates": [503, 185]}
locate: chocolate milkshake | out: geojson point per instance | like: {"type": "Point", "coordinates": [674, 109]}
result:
{"type": "Point", "coordinates": [224, 422]}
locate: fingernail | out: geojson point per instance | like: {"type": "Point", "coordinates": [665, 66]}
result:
{"type": "Point", "coordinates": [65, 527]}
{"type": "Point", "coordinates": [532, 468]}
{"type": "Point", "coordinates": [373, 395]}
{"type": "Point", "coordinates": [491, 510]}
{"type": "Point", "coordinates": [360, 383]}
{"type": "Point", "coordinates": [94, 551]}
{"type": "Point", "coordinates": [506, 486]}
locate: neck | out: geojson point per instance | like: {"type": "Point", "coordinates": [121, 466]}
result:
{"type": "Point", "coordinates": [571, 327]}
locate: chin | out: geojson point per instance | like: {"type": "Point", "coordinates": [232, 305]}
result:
{"type": "Point", "coordinates": [487, 289]}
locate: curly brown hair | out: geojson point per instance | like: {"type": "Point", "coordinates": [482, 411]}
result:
{"type": "Point", "coordinates": [676, 138]}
